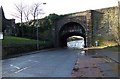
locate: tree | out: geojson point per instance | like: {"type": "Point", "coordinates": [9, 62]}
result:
{"type": "Point", "coordinates": [27, 13]}
{"type": "Point", "coordinates": [49, 20]}
{"type": "Point", "coordinates": [20, 8]}
{"type": "Point", "coordinates": [35, 10]}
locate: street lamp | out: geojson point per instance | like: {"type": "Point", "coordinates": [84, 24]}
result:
{"type": "Point", "coordinates": [37, 29]}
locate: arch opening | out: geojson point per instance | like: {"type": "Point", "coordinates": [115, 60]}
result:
{"type": "Point", "coordinates": [75, 42]}
{"type": "Point", "coordinates": [69, 30]}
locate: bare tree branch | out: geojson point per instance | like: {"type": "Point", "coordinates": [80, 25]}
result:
{"type": "Point", "coordinates": [20, 8]}
{"type": "Point", "coordinates": [27, 13]}
{"type": "Point", "coordinates": [35, 10]}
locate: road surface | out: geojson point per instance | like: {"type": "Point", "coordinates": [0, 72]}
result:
{"type": "Point", "coordinates": [54, 63]}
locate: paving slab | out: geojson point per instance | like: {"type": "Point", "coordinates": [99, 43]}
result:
{"type": "Point", "coordinates": [105, 67]}
{"type": "Point", "coordinates": [94, 66]}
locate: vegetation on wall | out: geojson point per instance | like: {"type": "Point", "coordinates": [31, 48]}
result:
{"type": "Point", "coordinates": [44, 27]}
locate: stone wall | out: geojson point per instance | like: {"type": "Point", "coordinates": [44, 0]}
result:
{"type": "Point", "coordinates": [96, 18]}
{"type": "Point", "coordinates": [108, 24]}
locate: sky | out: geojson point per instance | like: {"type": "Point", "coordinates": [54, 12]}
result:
{"type": "Point", "coordinates": [57, 6]}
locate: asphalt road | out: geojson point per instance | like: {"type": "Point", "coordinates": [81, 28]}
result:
{"type": "Point", "coordinates": [53, 63]}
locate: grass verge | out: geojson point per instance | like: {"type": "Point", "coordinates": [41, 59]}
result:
{"type": "Point", "coordinates": [13, 41]}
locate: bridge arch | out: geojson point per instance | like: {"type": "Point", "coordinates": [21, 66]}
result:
{"type": "Point", "coordinates": [71, 29]}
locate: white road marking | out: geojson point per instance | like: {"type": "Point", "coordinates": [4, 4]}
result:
{"type": "Point", "coordinates": [21, 70]}
{"type": "Point", "coordinates": [15, 66]}
{"type": "Point", "coordinates": [33, 60]}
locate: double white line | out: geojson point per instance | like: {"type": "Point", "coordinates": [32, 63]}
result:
{"type": "Point", "coordinates": [19, 69]}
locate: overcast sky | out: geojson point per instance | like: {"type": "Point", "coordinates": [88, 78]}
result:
{"type": "Point", "coordinates": [58, 6]}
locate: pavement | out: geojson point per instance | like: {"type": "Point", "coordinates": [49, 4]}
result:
{"type": "Point", "coordinates": [97, 63]}
{"type": "Point", "coordinates": [111, 54]}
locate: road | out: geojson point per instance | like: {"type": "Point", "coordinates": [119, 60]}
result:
{"type": "Point", "coordinates": [56, 63]}
{"type": "Point", "coordinates": [53, 63]}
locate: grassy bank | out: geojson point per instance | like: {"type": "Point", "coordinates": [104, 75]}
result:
{"type": "Point", "coordinates": [110, 45]}
{"type": "Point", "coordinates": [115, 48]}
{"type": "Point", "coordinates": [11, 40]}
{"type": "Point", "coordinates": [16, 45]}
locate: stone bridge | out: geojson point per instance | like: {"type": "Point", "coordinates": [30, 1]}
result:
{"type": "Point", "coordinates": [79, 24]}
{"type": "Point", "coordinates": [89, 24]}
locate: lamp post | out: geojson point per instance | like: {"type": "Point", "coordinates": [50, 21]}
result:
{"type": "Point", "coordinates": [108, 28]}
{"type": "Point", "coordinates": [37, 29]}
{"type": "Point", "coordinates": [37, 33]}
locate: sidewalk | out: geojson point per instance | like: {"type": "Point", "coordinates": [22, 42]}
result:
{"type": "Point", "coordinates": [97, 65]}
{"type": "Point", "coordinates": [87, 67]}
{"type": "Point", "coordinates": [110, 54]}
{"type": "Point", "coordinates": [106, 52]}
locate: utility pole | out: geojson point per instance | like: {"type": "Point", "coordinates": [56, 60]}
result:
{"type": "Point", "coordinates": [38, 30]}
